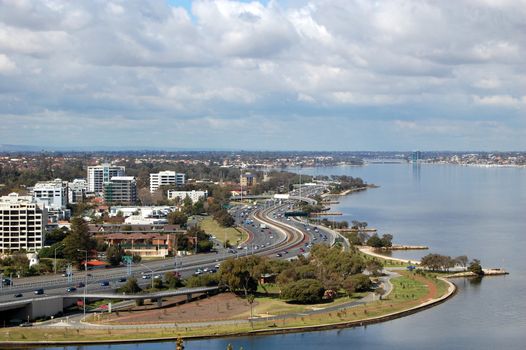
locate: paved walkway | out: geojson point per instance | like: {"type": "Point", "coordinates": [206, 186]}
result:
{"type": "Point", "coordinates": [371, 297]}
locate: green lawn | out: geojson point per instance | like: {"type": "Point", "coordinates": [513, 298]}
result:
{"type": "Point", "coordinates": [233, 235]}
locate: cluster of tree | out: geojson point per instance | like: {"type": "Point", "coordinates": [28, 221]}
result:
{"type": "Point", "coordinates": [17, 264]}
{"type": "Point", "coordinates": [177, 218]}
{"type": "Point", "coordinates": [303, 280]}
{"type": "Point", "coordinates": [359, 225]}
{"type": "Point", "coordinates": [204, 242]}
{"type": "Point", "coordinates": [224, 218]}
{"type": "Point", "coordinates": [17, 177]}
{"type": "Point", "coordinates": [437, 262]}
{"type": "Point", "coordinates": [278, 181]}
{"type": "Point", "coordinates": [311, 208]}
{"type": "Point", "coordinates": [380, 242]}
{"type": "Point", "coordinates": [344, 183]}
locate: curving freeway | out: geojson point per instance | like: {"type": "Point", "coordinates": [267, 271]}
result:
{"type": "Point", "coordinates": [271, 234]}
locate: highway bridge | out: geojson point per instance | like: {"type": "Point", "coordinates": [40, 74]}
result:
{"type": "Point", "coordinates": [52, 305]}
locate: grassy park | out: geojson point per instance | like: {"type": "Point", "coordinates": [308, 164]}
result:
{"type": "Point", "coordinates": [222, 234]}
{"type": "Point", "coordinates": [410, 290]}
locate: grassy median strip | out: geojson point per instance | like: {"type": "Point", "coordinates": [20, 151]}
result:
{"type": "Point", "coordinates": [212, 227]}
{"type": "Point", "coordinates": [410, 290]}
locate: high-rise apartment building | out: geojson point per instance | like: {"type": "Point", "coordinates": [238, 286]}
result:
{"type": "Point", "coordinates": [21, 224]}
{"type": "Point", "coordinates": [99, 174]}
{"type": "Point", "coordinates": [120, 189]}
{"type": "Point", "coordinates": [165, 178]}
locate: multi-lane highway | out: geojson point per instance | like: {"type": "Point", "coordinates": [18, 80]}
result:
{"type": "Point", "coordinates": [270, 234]}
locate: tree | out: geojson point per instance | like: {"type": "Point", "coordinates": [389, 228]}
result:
{"type": "Point", "coordinates": [374, 266]}
{"type": "Point", "coordinates": [375, 241]}
{"type": "Point", "coordinates": [114, 255]}
{"type": "Point", "coordinates": [78, 239]}
{"type": "Point", "coordinates": [306, 291]}
{"type": "Point", "coordinates": [177, 218]}
{"type": "Point", "coordinates": [462, 261]}
{"type": "Point", "coordinates": [130, 287]}
{"type": "Point", "coordinates": [437, 262]}
{"type": "Point", "coordinates": [242, 274]}
{"type": "Point", "coordinates": [57, 235]}
{"type": "Point", "coordinates": [359, 283]}
{"type": "Point", "coordinates": [475, 267]}
{"type": "Point", "coordinates": [224, 218]}
{"type": "Point", "coordinates": [173, 280]}
{"type": "Point", "coordinates": [387, 240]}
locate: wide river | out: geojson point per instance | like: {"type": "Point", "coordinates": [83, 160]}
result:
{"type": "Point", "coordinates": [455, 210]}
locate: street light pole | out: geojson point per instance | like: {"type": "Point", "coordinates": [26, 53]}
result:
{"type": "Point", "coordinates": [151, 276]}
{"type": "Point", "coordinates": [85, 278]}
{"type": "Point", "coordinates": [55, 262]}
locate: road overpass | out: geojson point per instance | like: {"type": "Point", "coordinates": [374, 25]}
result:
{"type": "Point", "coordinates": [51, 305]}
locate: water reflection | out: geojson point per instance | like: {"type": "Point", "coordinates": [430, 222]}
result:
{"type": "Point", "coordinates": [416, 172]}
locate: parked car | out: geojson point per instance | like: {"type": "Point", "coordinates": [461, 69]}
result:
{"type": "Point", "coordinates": [39, 291]}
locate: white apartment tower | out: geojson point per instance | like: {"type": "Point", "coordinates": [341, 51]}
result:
{"type": "Point", "coordinates": [99, 174]}
{"type": "Point", "coordinates": [21, 224]}
{"type": "Point", "coordinates": [51, 194]}
{"type": "Point", "coordinates": [165, 178]}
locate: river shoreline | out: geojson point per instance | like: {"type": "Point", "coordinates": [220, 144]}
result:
{"type": "Point", "coordinates": [451, 290]}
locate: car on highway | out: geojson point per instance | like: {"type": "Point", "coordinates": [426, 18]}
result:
{"type": "Point", "coordinates": [278, 255]}
{"type": "Point", "coordinates": [80, 285]}
{"type": "Point", "coordinates": [66, 274]}
{"type": "Point", "coordinates": [302, 250]}
{"type": "Point", "coordinates": [18, 295]}
{"type": "Point", "coordinates": [104, 283]}
{"type": "Point", "coordinates": [39, 291]}
{"type": "Point", "coordinates": [146, 277]}
{"type": "Point", "coordinates": [71, 289]}
{"type": "Point", "coordinates": [122, 279]}
{"type": "Point", "coordinates": [26, 324]}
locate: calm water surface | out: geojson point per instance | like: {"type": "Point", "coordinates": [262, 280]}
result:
{"type": "Point", "coordinates": [454, 210]}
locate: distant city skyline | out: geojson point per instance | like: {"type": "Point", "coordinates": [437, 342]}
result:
{"type": "Point", "coordinates": [270, 75]}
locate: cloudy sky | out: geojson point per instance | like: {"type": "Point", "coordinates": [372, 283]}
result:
{"type": "Point", "coordinates": [312, 75]}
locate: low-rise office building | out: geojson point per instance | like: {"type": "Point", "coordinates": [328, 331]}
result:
{"type": "Point", "coordinates": [193, 195]}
